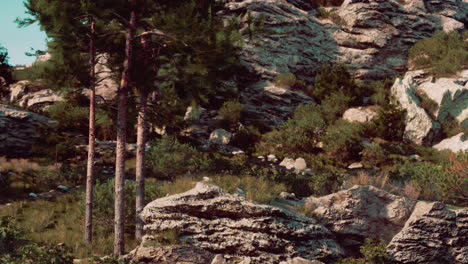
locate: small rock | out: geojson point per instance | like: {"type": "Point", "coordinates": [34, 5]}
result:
{"type": "Point", "coordinates": [238, 152]}
{"type": "Point", "coordinates": [206, 179]}
{"type": "Point", "coordinates": [271, 158]}
{"type": "Point", "coordinates": [355, 165]}
{"type": "Point", "coordinates": [220, 136]}
{"type": "Point", "coordinates": [307, 172]}
{"type": "Point", "coordinates": [218, 259]}
{"type": "Point", "coordinates": [359, 114]}
{"type": "Point", "coordinates": [300, 165]}
{"type": "Point", "coordinates": [63, 188]}
{"type": "Point", "coordinates": [246, 260]}
{"type": "Point", "coordinates": [287, 196]}
{"type": "Point", "coordinates": [33, 195]}
{"type": "Point", "coordinates": [288, 163]}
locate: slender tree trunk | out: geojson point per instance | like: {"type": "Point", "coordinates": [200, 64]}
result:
{"type": "Point", "coordinates": [119, 240]}
{"type": "Point", "coordinates": [140, 164]}
{"type": "Point", "coordinates": [88, 235]}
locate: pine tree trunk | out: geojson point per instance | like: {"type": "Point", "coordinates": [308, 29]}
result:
{"type": "Point", "coordinates": [119, 241]}
{"type": "Point", "coordinates": [88, 235]}
{"type": "Point", "coordinates": [140, 164]}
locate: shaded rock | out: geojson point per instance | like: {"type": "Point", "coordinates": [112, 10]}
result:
{"type": "Point", "coordinates": [359, 114]}
{"type": "Point", "coordinates": [208, 218]}
{"type": "Point", "coordinates": [456, 143]}
{"type": "Point", "coordinates": [361, 212]}
{"type": "Point", "coordinates": [220, 136]}
{"type": "Point", "coordinates": [18, 130]}
{"type": "Point", "coordinates": [40, 98]}
{"type": "Point", "coordinates": [420, 128]}
{"type": "Point", "coordinates": [171, 255]}
{"type": "Point", "coordinates": [433, 234]}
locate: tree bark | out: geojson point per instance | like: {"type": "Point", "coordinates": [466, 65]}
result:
{"type": "Point", "coordinates": [88, 235]}
{"type": "Point", "coordinates": [140, 164]}
{"type": "Point", "coordinates": [119, 240]}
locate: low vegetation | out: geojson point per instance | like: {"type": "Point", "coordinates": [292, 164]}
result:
{"type": "Point", "coordinates": [373, 252]}
{"type": "Point", "coordinates": [443, 54]}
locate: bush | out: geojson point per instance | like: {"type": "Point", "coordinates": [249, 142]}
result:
{"type": "Point", "coordinates": [443, 54]}
{"type": "Point", "coordinates": [299, 134]}
{"type": "Point", "coordinates": [37, 254]}
{"type": "Point", "coordinates": [168, 158]}
{"type": "Point", "coordinates": [334, 105]}
{"type": "Point", "coordinates": [332, 79]}
{"type": "Point", "coordinates": [374, 156]}
{"type": "Point", "coordinates": [373, 252]}
{"type": "Point", "coordinates": [427, 175]}
{"type": "Point", "coordinates": [390, 122]}
{"type": "Point", "coordinates": [342, 141]}
{"type": "Point", "coordinates": [231, 113]}
{"type": "Point", "coordinates": [290, 82]}
{"type": "Point", "coordinates": [10, 236]}
{"type": "Point", "coordinates": [426, 103]}
{"type": "Point", "coordinates": [246, 138]}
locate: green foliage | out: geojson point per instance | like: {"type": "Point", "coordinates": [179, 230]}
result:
{"type": "Point", "coordinates": [290, 82]}
{"type": "Point", "coordinates": [168, 158]}
{"type": "Point", "coordinates": [390, 122]}
{"type": "Point", "coordinates": [451, 127]}
{"type": "Point", "coordinates": [319, 3]}
{"type": "Point", "coordinates": [342, 141]}
{"type": "Point", "coordinates": [231, 112]}
{"type": "Point", "coordinates": [379, 91]}
{"type": "Point", "coordinates": [37, 254]}
{"type": "Point", "coordinates": [334, 105]}
{"type": "Point", "coordinates": [246, 138]}
{"type": "Point", "coordinates": [332, 79]}
{"type": "Point", "coordinates": [374, 156]}
{"type": "Point", "coordinates": [5, 68]}
{"type": "Point", "coordinates": [443, 54]}
{"type": "Point", "coordinates": [104, 202]}
{"type": "Point", "coordinates": [299, 134]}
{"type": "Point", "coordinates": [10, 236]}
{"type": "Point", "coordinates": [426, 103]}
{"type": "Point", "coordinates": [258, 189]}
{"type": "Point", "coordinates": [111, 259]}
{"type": "Point", "coordinates": [372, 251]}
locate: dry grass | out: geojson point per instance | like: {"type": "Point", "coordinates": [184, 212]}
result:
{"type": "Point", "coordinates": [412, 190]}
{"type": "Point", "coordinates": [22, 165]}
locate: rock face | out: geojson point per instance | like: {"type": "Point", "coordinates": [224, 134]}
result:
{"type": "Point", "coordinates": [359, 114]}
{"type": "Point", "coordinates": [433, 234]}
{"type": "Point", "coordinates": [360, 212]}
{"type": "Point", "coordinates": [420, 127]}
{"type": "Point", "coordinates": [224, 223]}
{"type": "Point", "coordinates": [454, 144]}
{"type": "Point", "coordinates": [27, 94]}
{"type": "Point", "coordinates": [18, 130]}
{"type": "Point", "coordinates": [171, 255]}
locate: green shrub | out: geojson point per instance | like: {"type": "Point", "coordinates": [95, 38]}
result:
{"type": "Point", "coordinates": [374, 156]}
{"type": "Point", "coordinates": [37, 254]}
{"type": "Point", "coordinates": [379, 91]}
{"type": "Point", "coordinates": [426, 103]}
{"type": "Point", "coordinates": [332, 15]}
{"type": "Point", "coordinates": [231, 112]}
{"type": "Point", "coordinates": [451, 127]}
{"type": "Point", "coordinates": [246, 138]}
{"type": "Point", "coordinates": [334, 105]}
{"type": "Point", "coordinates": [373, 252]}
{"type": "Point", "coordinates": [168, 158]}
{"type": "Point", "coordinates": [390, 122]}
{"type": "Point", "coordinates": [290, 82]}
{"type": "Point", "coordinates": [443, 54]}
{"type": "Point", "coordinates": [427, 175]}
{"type": "Point", "coordinates": [325, 182]}
{"type": "Point", "coordinates": [343, 141]}
{"type": "Point", "coordinates": [10, 236]}
{"type": "Point", "coordinates": [299, 134]}
{"type": "Point", "coordinates": [333, 78]}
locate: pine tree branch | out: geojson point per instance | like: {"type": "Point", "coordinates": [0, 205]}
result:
{"type": "Point", "coordinates": [158, 34]}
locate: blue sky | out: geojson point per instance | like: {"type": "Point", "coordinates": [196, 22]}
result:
{"type": "Point", "coordinates": [18, 40]}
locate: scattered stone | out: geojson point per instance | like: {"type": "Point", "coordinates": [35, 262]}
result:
{"type": "Point", "coordinates": [288, 163]}
{"type": "Point", "coordinates": [360, 114]}
{"type": "Point", "coordinates": [355, 165]}
{"type": "Point", "coordinates": [220, 136]}
{"type": "Point", "coordinates": [300, 165]}
{"type": "Point", "coordinates": [272, 158]}
{"type": "Point", "coordinates": [287, 196]}
{"type": "Point", "coordinates": [238, 152]}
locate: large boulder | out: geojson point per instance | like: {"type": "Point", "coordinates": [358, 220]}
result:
{"type": "Point", "coordinates": [420, 127]}
{"type": "Point", "coordinates": [433, 234]}
{"type": "Point", "coordinates": [361, 212]}
{"type": "Point", "coordinates": [18, 130]}
{"type": "Point", "coordinates": [218, 222]}
{"type": "Point", "coordinates": [456, 143]}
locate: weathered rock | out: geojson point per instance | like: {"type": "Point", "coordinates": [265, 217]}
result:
{"type": "Point", "coordinates": [220, 136]}
{"type": "Point", "coordinates": [40, 98]}
{"type": "Point", "coordinates": [433, 234]}
{"type": "Point", "coordinates": [170, 255]}
{"type": "Point", "coordinates": [207, 217]}
{"type": "Point", "coordinates": [361, 212]}
{"type": "Point", "coordinates": [18, 130]}
{"type": "Point", "coordinates": [299, 260]}
{"type": "Point", "coordinates": [420, 128]}
{"type": "Point", "coordinates": [360, 114]}
{"type": "Point", "coordinates": [451, 96]}
{"type": "Point", "coordinates": [456, 143]}
{"type": "Point", "coordinates": [355, 165]}
{"type": "Point", "coordinates": [219, 259]}
{"type": "Point", "coordinates": [17, 90]}
{"type": "Point", "coordinates": [299, 165]}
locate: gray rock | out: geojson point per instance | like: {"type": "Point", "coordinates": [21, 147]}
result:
{"type": "Point", "coordinates": [299, 165]}
{"type": "Point", "coordinates": [288, 163]}
{"type": "Point", "coordinates": [456, 143]}
{"type": "Point", "coordinates": [170, 255]}
{"type": "Point", "coordinates": [272, 158]}
{"type": "Point", "coordinates": [420, 127]}
{"type": "Point", "coordinates": [355, 165]}
{"type": "Point", "coordinates": [361, 212]}
{"type": "Point", "coordinates": [359, 114]}
{"type": "Point", "coordinates": [208, 218]}
{"type": "Point", "coordinates": [220, 136]}
{"type": "Point", "coordinates": [299, 260]}
{"type": "Point", "coordinates": [18, 130]}
{"type": "Point", "coordinates": [287, 196]}
{"type": "Point", "coordinates": [433, 234]}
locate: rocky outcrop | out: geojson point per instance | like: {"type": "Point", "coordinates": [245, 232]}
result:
{"type": "Point", "coordinates": [433, 234]}
{"type": "Point", "coordinates": [361, 212]}
{"type": "Point", "coordinates": [171, 255]}
{"type": "Point", "coordinates": [18, 130]}
{"type": "Point", "coordinates": [218, 222]}
{"type": "Point", "coordinates": [456, 143]}
{"type": "Point", "coordinates": [420, 127]}
{"type": "Point", "coordinates": [360, 114]}
{"type": "Point", "coordinates": [220, 136]}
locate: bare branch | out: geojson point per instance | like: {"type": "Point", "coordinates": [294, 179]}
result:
{"type": "Point", "coordinates": [122, 19]}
